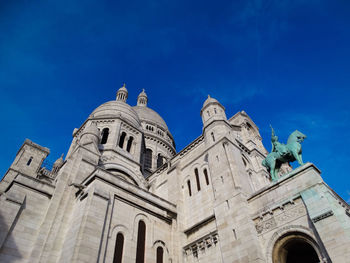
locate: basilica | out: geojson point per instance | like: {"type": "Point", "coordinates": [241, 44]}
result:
{"type": "Point", "coordinates": [122, 193]}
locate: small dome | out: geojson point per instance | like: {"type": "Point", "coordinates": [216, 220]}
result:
{"type": "Point", "coordinates": [117, 108]}
{"type": "Point", "coordinates": [148, 115]}
{"type": "Point", "coordinates": [209, 100]}
{"type": "Point", "coordinates": [143, 93]}
{"type": "Point", "coordinates": [123, 88]}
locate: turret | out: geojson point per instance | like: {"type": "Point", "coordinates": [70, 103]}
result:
{"type": "Point", "coordinates": [30, 158]}
{"type": "Point", "coordinates": [212, 111]}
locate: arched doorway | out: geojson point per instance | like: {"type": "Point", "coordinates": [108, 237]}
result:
{"type": "Point", "coordinates": [295, 248]}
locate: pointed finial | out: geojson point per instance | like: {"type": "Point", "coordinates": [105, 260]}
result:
{"type": "Point", "coordinates": [208, 96]}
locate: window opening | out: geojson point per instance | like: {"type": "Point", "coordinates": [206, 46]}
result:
{"type": "Point", "coordinates": [148, 159]}
{"type": "Point", "coordinates": [141, 237]}
{"type": "Point", "coordinates": [30, 161]}
{"type": "Point", "coordinates": [128, 147]}
{"type": "Point", "coordinates": [244, 162]}
{"type": "Point", "coordinates": [160, 253]}
{"type": "Point", "coordinates": [121, 140]}
{"type": "Point", "coordinates": [206, 176]}
{"type": "Point", "coordinates": [105, 133]}
{"type": "Point", "coordinates": [189, 187]}
{"type": "Point", "coordinates": [118, 251]}
{"type": "Point", "coordinates": [197, 179]}
{"type": "Point", "coordinates": [159, 161]}
{"type": "Point", "coordinates": [213, 137]}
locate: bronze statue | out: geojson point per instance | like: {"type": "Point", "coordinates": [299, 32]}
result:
{"type": "Point", "coordinates": [283, 153]}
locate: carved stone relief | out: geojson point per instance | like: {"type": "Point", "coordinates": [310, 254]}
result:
{"type": "Point", "coordinates": [200, 245]}
{"type": "Point", "coordinates": [280, 215]}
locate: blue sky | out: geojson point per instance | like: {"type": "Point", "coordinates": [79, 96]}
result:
{"type": "Point", "coordinates": [286, 63]}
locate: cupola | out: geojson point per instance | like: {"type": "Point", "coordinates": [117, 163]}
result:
{"type": "Point", "coordinates": [122, 94]}
{"type": "Point", "coordinates": [142, 99]}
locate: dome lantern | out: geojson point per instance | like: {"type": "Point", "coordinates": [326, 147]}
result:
{"type": "Point", "coordinates": [122, 94]}
{"type": "Point", "coordinates": [142, 99]}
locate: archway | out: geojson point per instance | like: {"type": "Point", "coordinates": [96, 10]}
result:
{"type": "Point", "coordinates": [296, 248]}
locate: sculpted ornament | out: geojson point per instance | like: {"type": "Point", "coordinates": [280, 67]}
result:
{"type": "Point", "coordinates": [283, 153]}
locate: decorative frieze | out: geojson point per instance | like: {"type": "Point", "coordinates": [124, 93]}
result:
{"type": "Point", "coordinates": [200, 245]}
{"type": "Point", "coordinates": [129, 128]}
{"type": "Point", "coordinates": [280, 215]}
{"type": "Point", "coordinates": [243, 147]}
{"type": "Point", "coordinates": [322, 216]}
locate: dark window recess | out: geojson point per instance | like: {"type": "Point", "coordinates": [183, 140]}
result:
{"type": "Point", "coordinates": [121, 140]}
{"type": "Point", "coordinates": [128, 147]}
{"type": "Point", "coordinates": [213, 137]}
{"type": "Point", "coordinates": [30, 161]}
{"type": "Point", "coordinates": [159, 161]}
{"type": "Point", "coordinates": [118, 251]}
{"type": "Point", "coordinates": [197, 179]}
{"type": "Point", "coordinates": [189, 187]}
{"type": "Point", "coordinates": [206, 176]}
{"type": "Point", "coordinates": [105, 133]}
{"type": "Point", "coordinates": [160, 253]}
{"type": "Point", "coordinates": [148, 159]}
{"type": "Point", "coordinates": [141, 237]}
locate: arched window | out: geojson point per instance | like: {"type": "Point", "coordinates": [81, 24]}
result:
{"type": "Point", "coordinates": [148, 159]}
{"type": "Point", "coordinates": [189, 187]}
{"type": "Point", "coordinates": [121, 140]}
{"type": "Point", "coordinates": [213, 137]}
{"type": "Point", "coordinates": [105, 133]}
{"type": "Point", "coordinates": [197, 179]}
{"type": "Point", "coordinates": [159, 161]}
{"type": "Point", "coordinates": [208, 113]}
{"type": "Point", "coordinates": [118, 250]}
{"type": "Point", "coordinates": [160, 253]}
{"type": "Point", "coordinates": [206, 176]}
{"type": "Point", "coordinates": [30, 161]}
{"type": "Point", "coordinates": [215, 110]}
{"type": "Point", "coordinates": [141, 237]}
{"type": "Point", "coordinates": [128, 147]}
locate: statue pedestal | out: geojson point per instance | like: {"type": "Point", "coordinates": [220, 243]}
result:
{"type": "Point", "coordinates": [301, 203]}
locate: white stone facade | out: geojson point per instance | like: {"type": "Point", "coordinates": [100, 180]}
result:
{"type": "Point", "coordinates": [123, 194]}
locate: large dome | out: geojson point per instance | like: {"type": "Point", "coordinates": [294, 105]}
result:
{"type": "Point", "coordinates": [148, 115]}
{"type": "Point", "coordinates": [117, 108]}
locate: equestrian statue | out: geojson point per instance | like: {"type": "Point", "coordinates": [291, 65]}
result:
{"type": "Point", "coordinates": [283, 153]}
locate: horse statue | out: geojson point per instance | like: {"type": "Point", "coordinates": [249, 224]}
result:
{"type": "Point", "coordinates": [283, 153]}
